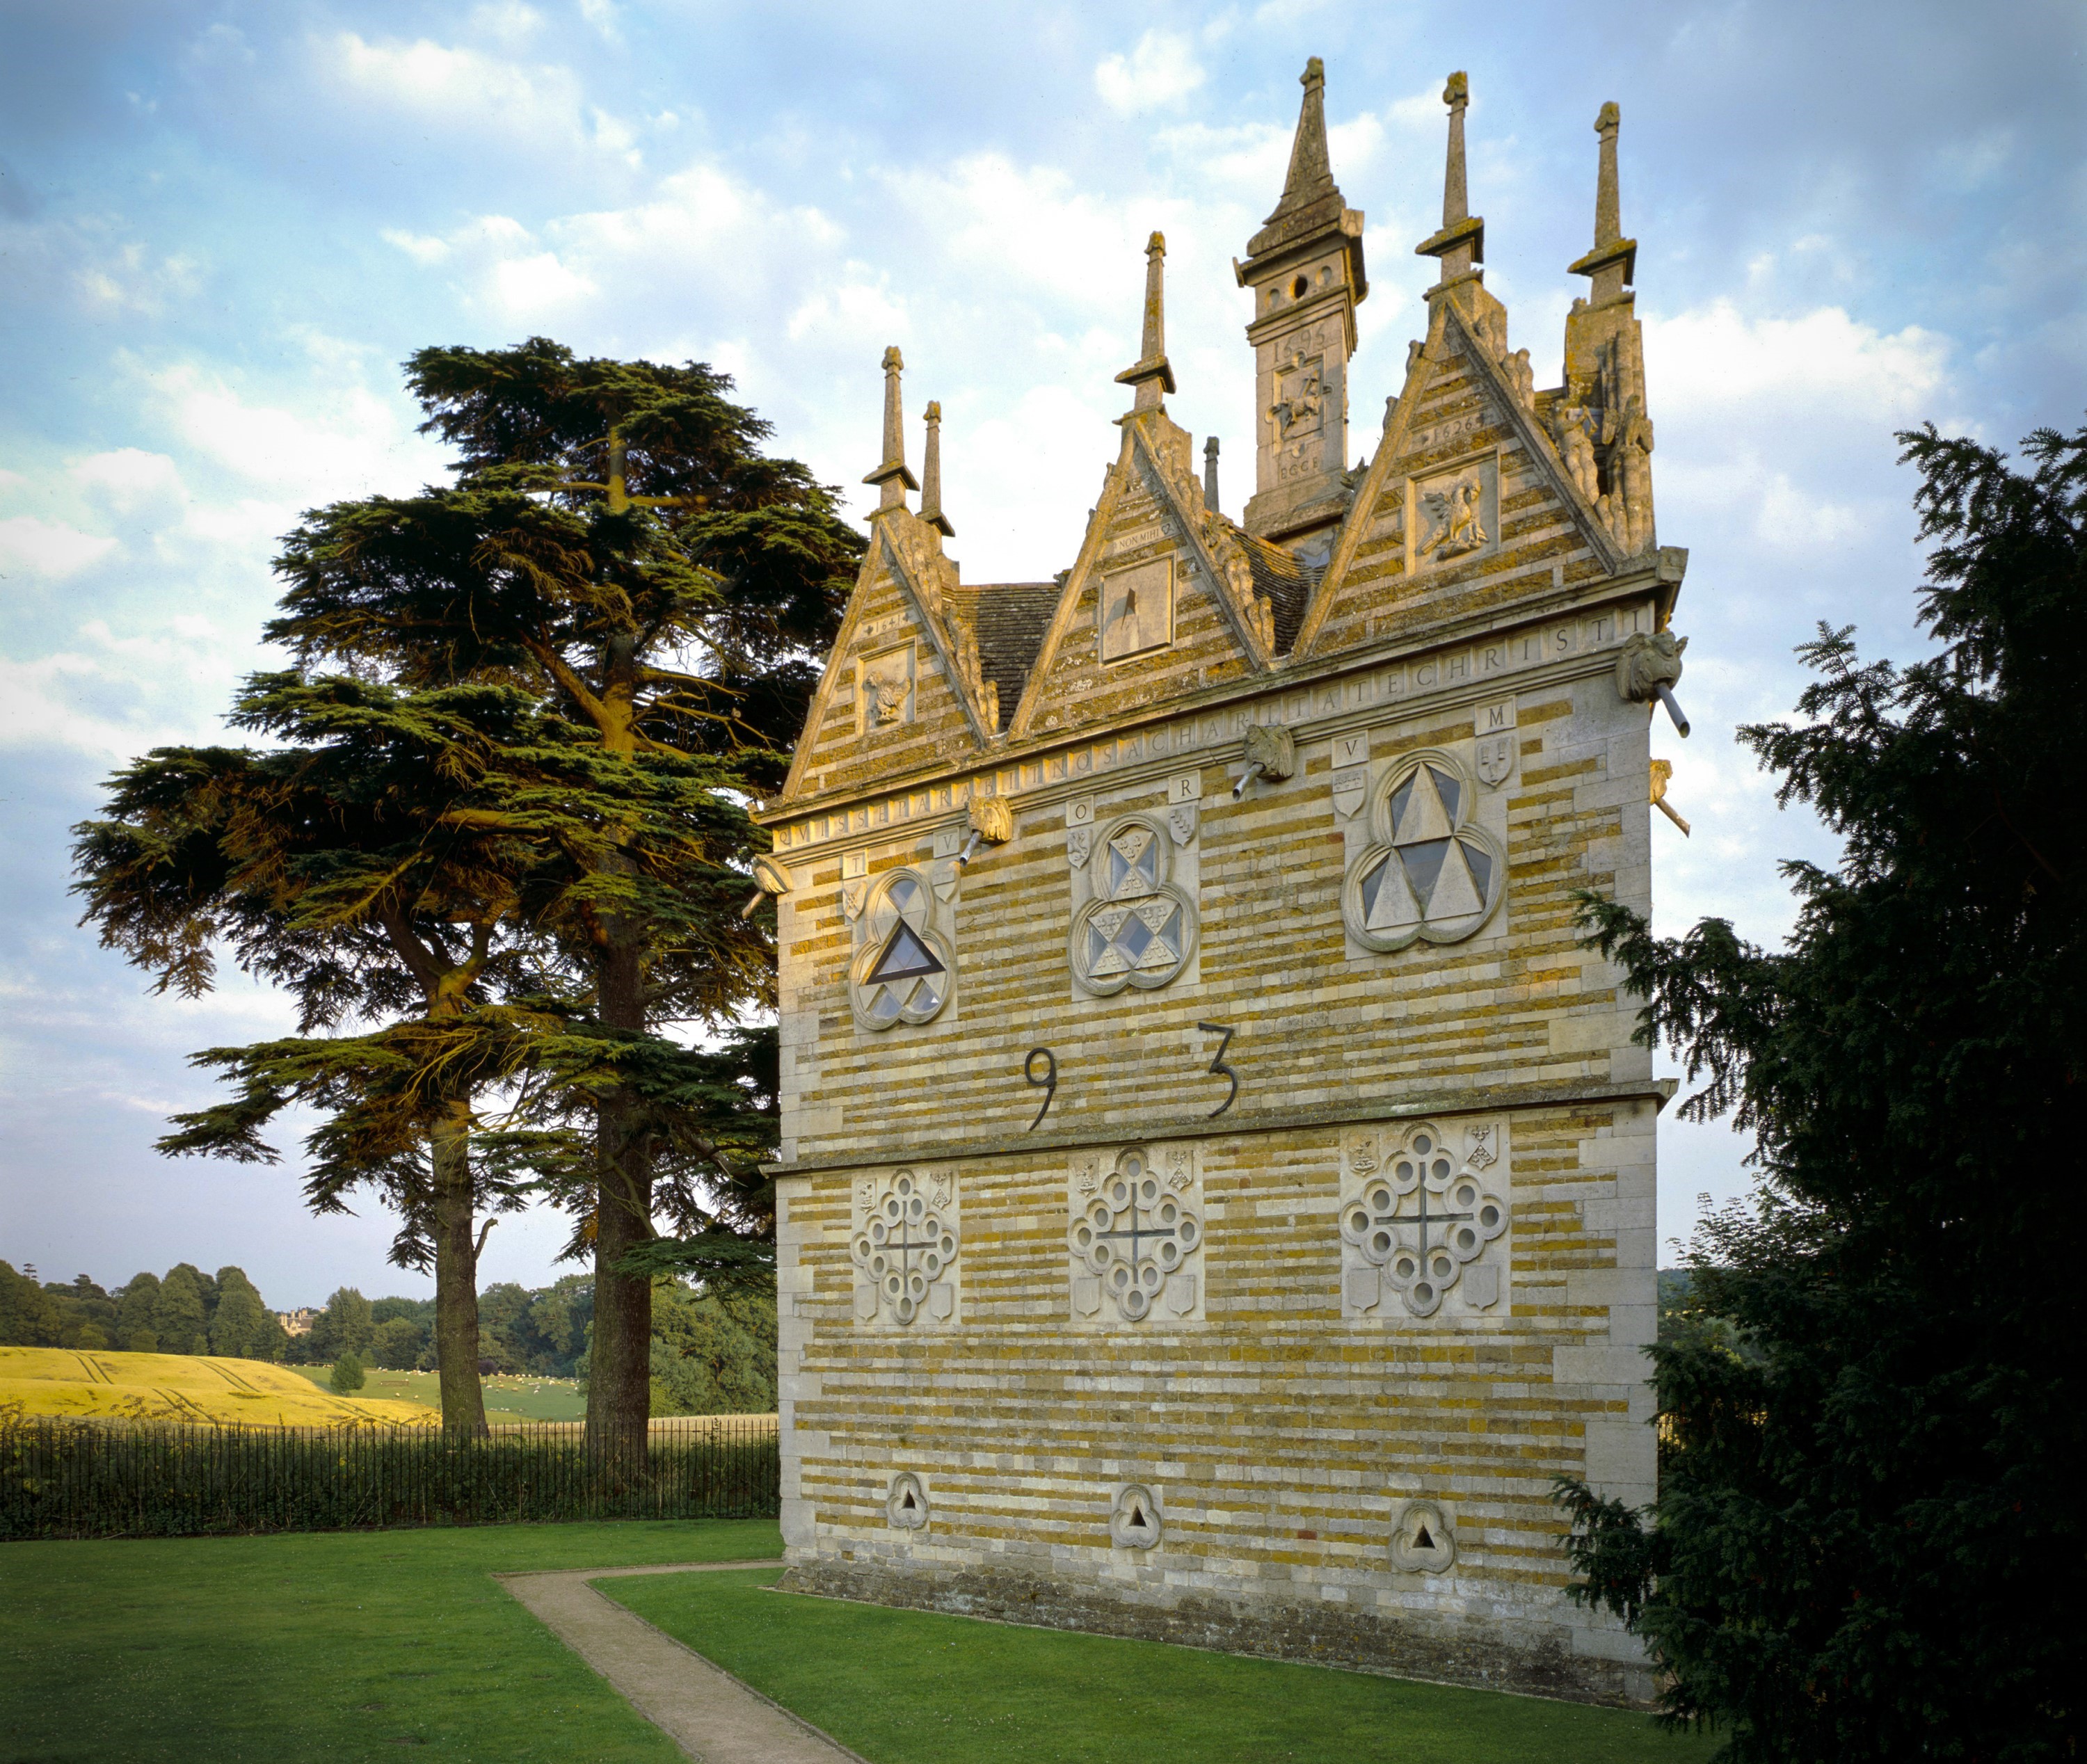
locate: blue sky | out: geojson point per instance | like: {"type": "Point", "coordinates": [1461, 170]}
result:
{"type": "Point", "coordinates": [223, 225]}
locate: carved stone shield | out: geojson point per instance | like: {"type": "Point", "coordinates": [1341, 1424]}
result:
{"type": "Point", "coordinates": [1496, 759]}
{"type": "Point", "coordinates": [1349, 788]}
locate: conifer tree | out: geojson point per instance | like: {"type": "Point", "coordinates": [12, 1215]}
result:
{"type": "Point", "coordinates": [616, 542]}
{"type": "Point", "coordinates": [1868, 1540]}
{"type": "Point", "coordinates": [343, 864]}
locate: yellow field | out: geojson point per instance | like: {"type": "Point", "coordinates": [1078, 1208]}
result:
{"type": "Point", "coordinates": [182, 1387]}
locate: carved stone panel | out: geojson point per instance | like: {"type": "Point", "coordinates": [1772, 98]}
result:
{"type": "Point", "coordinates": [905, 1502]}
{"type": "Point", "coordinates": [1430, 870]}
{"type": "Point", "coordinates": [1136, 608]}
{"type": "Point", "coordinates": [1135, 1235]}
{"type": "Point", "coordinates": [1453, 515]}
{"type": "Point", "coordinates": [905, 1240]}
{"type": "Point", "coordinates": [884, 689]}
{"type": "Point", "coordinates": [1425, 1222]}
{"type": "Point", "coordinates": [903, 925]}
{"type": "Point", "coordinates": [1422, 1539]}
{"type": "Point", "coordinates": [1135, 922]}
{"type": "Point", "coordinates": [1135, 1517]}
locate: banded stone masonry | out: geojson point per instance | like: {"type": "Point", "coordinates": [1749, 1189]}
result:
{"type": "Point", "coordinates": [1216, 1186]}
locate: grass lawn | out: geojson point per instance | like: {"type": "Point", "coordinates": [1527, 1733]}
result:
{"type": "Point", "coordinates": [913, 1687]}
{"type": "Point", "coordinates": [320, 1647]}
{"type": "Point", "coordinates": [509, 1396]}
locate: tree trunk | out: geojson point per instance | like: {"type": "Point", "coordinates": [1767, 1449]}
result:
{"type": "Point", "coordinates": [456, 1276]}
{"type": "Point", "coordinates": [620, 1374]}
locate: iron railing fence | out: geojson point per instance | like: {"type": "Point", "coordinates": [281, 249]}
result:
{"type": "Point", "coordinates": [64, 1477]}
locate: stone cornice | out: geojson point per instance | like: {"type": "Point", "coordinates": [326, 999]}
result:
{"type": "Point", "coordinates": [1583, 605]}
{"type": "Point", "coordinates": [1471, 1100]}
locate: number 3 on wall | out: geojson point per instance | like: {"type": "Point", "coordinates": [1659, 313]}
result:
{"type": "Point", "coordinates": [1219, 1068]}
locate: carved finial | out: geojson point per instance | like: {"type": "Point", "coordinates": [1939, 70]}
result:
{"type": "Point", "coordinates": [891, 473]}
{"type": "Point", "coordinates": [930, 474]}
{"type": "Point", "coordinates": [1462, 242]}
{"type": "Point", "coordinates": [1152, 371]}
{"type": "Point", "coordinates": [1211, 475]}
{"type": "Point", "coordinates": [1456, 199]}
{"type": "Point", "coordinates": [1613, 262]}
{"type": "Point", "coordinates": [1311, 170]}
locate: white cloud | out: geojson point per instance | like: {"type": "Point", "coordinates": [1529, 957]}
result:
{"type": "Point", "coordinates": [129, 278]}
{"type": "Point", "coordinates": [30, 547]}
{"type": "Point", "coordinates": [129, 478]}
{"type": "Point", "coordinates": [456, 89]}
{"type": "Point", "coordinates": [339, 440]}
{"type": "Point", "coordinates": [1161, 71]}
{"type": "Point", "coordinates": [1716, 356]}
{"type": "Point", "coordinates": [695, 220]}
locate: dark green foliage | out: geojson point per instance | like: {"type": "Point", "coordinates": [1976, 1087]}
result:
{"type": "Point", "coordinates": [242, 1326]}
{"type": "Point", "coordinates": [29, 1318]}
{"type": "Point", "coordinates": [181, 1319]}
{"type": "Point", "coordinates": [397, 1344]}
{"type": "Point", "coordinates": [345, 1326]}
{"type": "Point", "coordinates": [348, 1376]}
{"type": "Point", "coordinates": [79, 1479]}
{"type": "Point", "coordinates": [189, 1312]}
{"type": "Point", "coordinates": [134, 1306]}
{"type": "Point", "coordinates": [713, 1354]}
{"type": "Point", "coordinates": [1868, 1539]}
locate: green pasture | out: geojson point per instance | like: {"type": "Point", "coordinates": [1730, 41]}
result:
{"type": "Point", "coordinates": [320, 1647]}
{"type": "Point", "coordinates": [509, 1396]}
{"type": "Point", "coordinates": [914, 1687]}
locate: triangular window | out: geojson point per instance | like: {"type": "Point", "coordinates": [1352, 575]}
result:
{"type": "Point", "coordinates": [905, 957]}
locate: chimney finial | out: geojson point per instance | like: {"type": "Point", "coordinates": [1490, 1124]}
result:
{"type": "Point", "coordinates": [1211, 475]}
{"type": "Point", "coordinates": [1462, 242]}
{"type": "Point", "coordinates": [1152, 371]}
{"type": "Point", "coordinates": [891, 474]}
{"type": "Point", "coordinates": [930, 474]}
{"type": "Point", "coordinates": [1613, 262]}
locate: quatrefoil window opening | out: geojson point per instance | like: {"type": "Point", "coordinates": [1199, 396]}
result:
{"type": "Point", "coordinates": [905, 1247]}
{"type": "Point", "coordinates": [1134, 1235]}
{"type": "Point", "coordinates": [1428, 873]}
{"type": "Point", "coordinates": [1139, 930]}
{"type": "Point", "coordinates": [1422, 1220]}
{"type": "Point", "coordinates": [902, 972]}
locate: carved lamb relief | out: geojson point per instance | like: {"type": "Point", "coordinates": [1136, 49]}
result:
{"type": "Point", "coordinates": [1424, 1222]}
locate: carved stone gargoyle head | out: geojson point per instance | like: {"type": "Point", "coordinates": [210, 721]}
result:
{"type": "Point", "coordinates": [1646, 663]}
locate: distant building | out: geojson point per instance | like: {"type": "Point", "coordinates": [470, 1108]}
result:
{"type": "Point", "coordinates": [296, 1322]}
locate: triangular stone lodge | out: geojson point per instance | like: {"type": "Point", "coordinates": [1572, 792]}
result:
{"type": "Point", "coordinates": [1290, 1163]}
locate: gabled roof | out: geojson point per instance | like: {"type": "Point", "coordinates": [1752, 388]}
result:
{"type": "Point", "coordinates": [1011, 619]}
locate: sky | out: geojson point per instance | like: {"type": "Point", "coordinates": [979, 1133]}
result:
{"type": "Point", "coordinates": [222, 226]}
